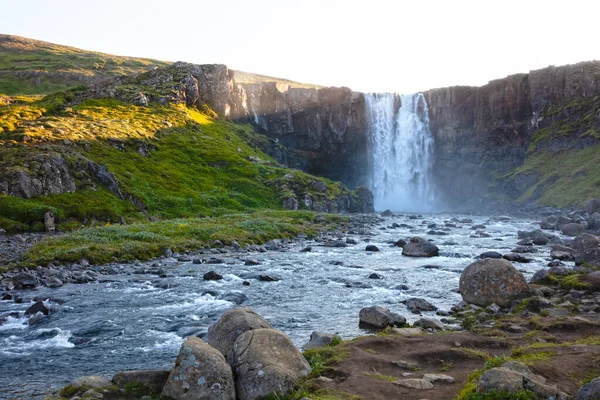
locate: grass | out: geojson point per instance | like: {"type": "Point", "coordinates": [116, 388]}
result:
{"type": "Point", "coordinates": [381, 377]}
{"type": "Point", "coordinates": [142, 241]}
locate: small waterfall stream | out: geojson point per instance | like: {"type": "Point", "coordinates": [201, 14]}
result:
{"type": "Point", "coordinates": [401, 150]}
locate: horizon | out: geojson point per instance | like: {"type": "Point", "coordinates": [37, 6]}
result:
{"type": "Point", "coordinates": [464, 49]}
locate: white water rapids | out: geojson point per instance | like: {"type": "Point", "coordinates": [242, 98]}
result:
{"type": "Point", "coordinates": [401, 150]}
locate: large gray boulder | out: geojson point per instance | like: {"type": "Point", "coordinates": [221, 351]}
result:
{"type": "Point", "coordinates": [590, 391]}
{"type": "Point", "coordinates": [380, 317]}
{"type": "Point", "coordinates": [591, 206]}
{"type": "Point", "coordinates": [223, 333]}
{"type": "Point", "coordinates": [266, 361]}
{"type": "Point", "coordinates": [572, 229]}
{"type": "Point", "coordinates": [419, 247]}
{"type": "Point", "coordinates": [492, 281]}
{"type": "Point", "coordinates": [587, 249]}
{"type": "Point", "coordinates": [200, 373]}
{"type": "Point", "coordinates": [514, 377]}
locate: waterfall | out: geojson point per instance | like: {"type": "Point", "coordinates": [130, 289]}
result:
{"type": "Point", "coordinates": [401, 148]}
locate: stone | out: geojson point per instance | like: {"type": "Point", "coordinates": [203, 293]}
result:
{"type": "Point", "coordinates": [266, 361]}
{"type": "Point", "coordinates": [514, 377]}
{"type": "Point", "coordinates": [490, 254]}
{"type": "Point", "coordinates": [251, 261]}
{"type": "Point", "coordinates": [407, 332]}
{"type": "Point", "coordinates": [380, 317]}
{"type": "Point", "coordinates": [540, 276]}
{"type": "Point", "coordinates": [438, 378]}
{"type": "Point", "coordinates": [591, 206]}
{"type": "Point", "coordinates": [320, 339]}
{"type": "Point", "coordinates": [375, 276]}
{"type": "Point", "coordinates": [515, 257]}
{"type": "Point", "coordinates": [267, 278]}
{"type": "Point", "coordinates": [212, 276]}
{"type": "Point", "coordinates": [416, 305]}
{"type": "Point", "coordinates": [153, 379]}
{"type": "Point", "coordinates": [235, 296]}
{"type": "Point", "coordinates": [492, 281]}
{"type": "Point", "coordinates": [400, 243]}
{"type": "Point", "coordinates": [414, 383]}
{"type": "Point", "coordinates": [49, 221]}
{"type": "Point", "coordinates": [419, 247]}
{"type": "Point", "coordinates": [590, 390]}
{"type": "Point", "coordinates": [572, 229]}
{"type": "Point", "coordinates": [557, 312]}
{"type": "Point", "coordinates": [38, 307]}
{"type": "Point", "coordinates": [387, 213]}
{"type": "Point", "coordinates": [223, 333]}
{"type": "Point", "coordinates": [24, 280]}
{"type": "Point", "coordinates": [90, 382]}
{"type": "Point", "coordinates": [372, 247]}
{"type": "Point", "coordinates": [53, 282]}
{"type": "Point", "coordinates": [200, 372]}
{"type": "Point", "coordinates": [430, 323]}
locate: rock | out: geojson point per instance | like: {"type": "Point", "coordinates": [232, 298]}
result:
{"type": "Point", "coordinates": [407, 332]}
{"type": "Point", "coordinates": [223, 333]}
{"type": "Point", "coordinates": [514, 377]}
{"type": "Point", "coordinates": [153, 379]}
{"type": "Point", "coordinates": [515, 257]}
{"type": "Point", "coordinates": [492, 281]}
{"type": "Point", "coordinates": [235, 296]}
{"type": "Point", "coordinates": [375, 276]}
{"type": "Point", "coordinates": [540, 276]}
{"type": "Point", "coordinates": [587, 249]}
{"type": "Point", "coordinates": [380, 317]}
{"type": "Point", "coordinates": [372, 247]}
{"type": "Point", "coordinates": [90, 382]}
{"type": "Point", "coordinates": [419, 247]}
{"type": "Point", "coordinates": [38, 307]}
{"type": "Point", "coordinates": [350, 241]}
{"type": "Point", "coordinates": [335, 243]}
{"type": "Point", "coordinates": [416, 305]}
{"type": "Point", "coordinates": [438, 378]}
{"type": "Point", "coordinates": [572, 229]}
{"type": "Point", "coordinates": [49, 221]}
{"type": "Point", "coordinates": [387, 213]}
{"type": "Point", "coordinates": [320, 339]}
{"type": "Point", "coordinates": [493, 308]}
{"type": "Point", "coordinates": [414, 383]}
{"type": "Point", "coordinates": [557, 312]}
{"type": "Point", "coordinates": [490, 254]}
{"type": "Point", "coordinates": [562, 253]}
{"type": "Point", "coordinates": [400, 243]}
{"type": "Point", "coordinates": [272, 245]}
{"type": "Point", "coordinates": [53, 282]}
{"type": "Point", "coordinates": [591, 206]}
{"type": "Point", "coordinates": [251, 261]}
{"type": "Point", "coordinates": [430, 323]}
{"type": "Point", "coordinates": [590, 390]}
{"type": "Point", "coordinates": [266, 361]}
{"type": "Point", "coordinates": [267, 278]}
{"type": "Point", "coordinates": [200, 372]}
{"type": "Point", "coordinates": [307, 249]}
{"type": "Point", "coordinates": [212, 276]}
{"type": "Point", "coordinates": [24, 280]}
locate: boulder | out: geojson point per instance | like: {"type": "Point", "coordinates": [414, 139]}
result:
{"type": "Point", "coordinates": [212, 276]}
{"type": "Point", "coordinates": [414, 383]}
{"type": "Point", "coordinates": [591, 206]}
{"type": "Point", "coordinates": [223, 333]}
{"type": "Point", "coordinates": [515, 377]}
{"type": "Point", "coordinates": [590, 391]}
{"type": "Point", "coordinates": [516, 257]}
{"type": "Point", "coordinates": [320, 339]}
{"type": "Point", "coordinates": [372, 247]}
{"type": "Point", "coordinates": [38, 307]}
{"type": "Point", "coordinates": [152, 379]}
{"type": "Point", "coordinates": [419, 247]}
{"type": "Point", "coordinates": [572, 229]}
{"type": "Point", "coordinates": [380, 317]}
{"type": "Point", "coordinates": [416, 305]}
{"type": "Point", "coordinates": [492, 281]}
{"type": "Point", "coordinates": [587, 249]}
{"type": "Point", "coordinates": [430, 323]}
{"type": "Point", "coordinates": [540, 276]}
{"type": "Point", "coordinates": [200, 372]}
{"type": "Point", "coordinates": [266, 361]}
{"type": "Point", "coordinates": [438, 378]}
{"type": "Point", "coordinates": [490, 254]}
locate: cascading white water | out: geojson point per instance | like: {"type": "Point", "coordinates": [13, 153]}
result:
{"type": "Point", "coordinates": [401, 151]}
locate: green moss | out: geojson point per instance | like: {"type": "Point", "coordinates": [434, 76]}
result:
{"type": "Point", "coordinates": [574, 282]}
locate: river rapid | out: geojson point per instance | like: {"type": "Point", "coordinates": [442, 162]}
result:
{"type": "Point", "coordinates": [131, 319]}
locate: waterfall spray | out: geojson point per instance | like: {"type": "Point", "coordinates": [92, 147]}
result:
{"type": "Point", "coordinates": [401, 150]}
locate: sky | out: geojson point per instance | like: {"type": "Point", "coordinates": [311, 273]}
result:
{"type": "Point", "coordinates": [370, 46]}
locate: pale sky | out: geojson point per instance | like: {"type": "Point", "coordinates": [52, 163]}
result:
{"type": "Point", "coordinates": [372, 45]}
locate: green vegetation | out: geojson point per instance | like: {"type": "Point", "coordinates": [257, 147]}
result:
{"type": "Point", "coordinates": [320, 358]}
{"type": "Point", "coordinates": [381, 377]}
{"type": "Point", "coordinates": [36, 67]}
{"type": "Point", "coordinates": [502, 395]}
{"type": "Point", "coordinates": [574, 282]}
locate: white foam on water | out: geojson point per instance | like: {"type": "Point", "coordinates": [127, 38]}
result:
{"type": "Point", "coordinates": [19, 345]}
{"type": "Point", "coordinates": [163, 340]}
{"type": "Point", "coordinates": [14, 323]}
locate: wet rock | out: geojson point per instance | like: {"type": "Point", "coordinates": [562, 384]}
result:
{"type": "Point", "coordinates": [267, 278]}
{"type": "Point", "coordinates": [371, 247]}
{"type": "Point", "coordinates": [572, 229]}
{"type": "Point", "coordinates": [524, 249]}
{"type": "Point", "coordinates": [400, 243]}
{"type": "Point", "coordinates": [272, 245]}
{"type": "Point", "coordinates": [419, 247]}
{"type": "Point", "coordinates": [266, 361]}
{"type": "Point", "coordinates": [212, 276]}
{"type": "Point", "coordinates": [515, 257]}
{"type": "Point", "coordinates": [414, 383]}
{"type": "Point", "coordinates": [24, 280]}
{"type": "Point", "coordinates": [375, 276]}
{"type": "Point", "coordinates": [380, 317]}
{"type": "Point", "coordinates": [591, 206]}
{"type": "Point", "coordinates": [492, 281]}
{"type": "Point", "coordinates": [153, 379]}
{"type": "Point", "coordinates": [350, 241]}
{"type": "Point", "coordinates": [235, 296]}
{"type": "Point", "coordinates": [335, 243]}
{"type": "Point", "coordinates": [307, 249]}
{"type": "Point", "coordinates": [490, 254]}
{"type": "Point", "coordinates": [223, 333]}
{"type": "Point", "coordinates": [416, 305]}
{"type": "Point", "coordinates": [387, 213]}
{"type": "Point", "coordinates": [38, 307]}
{"type": "Point", "coordinates": [562, 253]}
{"type": "Point", "coordinates": [401, 287]}
{"type": "Point", "coordinates": [320, 339]}
{"type": "Point", "coordinates": [200, 372]}
{"type": "Point", "coordinates": [251, 261]}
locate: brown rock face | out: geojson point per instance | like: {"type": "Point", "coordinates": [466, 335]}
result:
{"type": "Point", "coordinates": [490, 281]}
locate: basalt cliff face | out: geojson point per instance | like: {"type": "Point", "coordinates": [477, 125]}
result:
{"type": "Point", "coordinates": [487, 139]}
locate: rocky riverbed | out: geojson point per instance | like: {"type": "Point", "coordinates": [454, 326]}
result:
{"type": "Point", "coordinates": [136, 316]}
